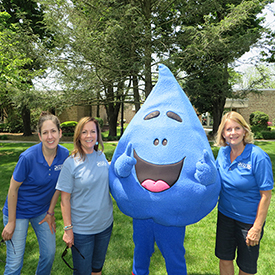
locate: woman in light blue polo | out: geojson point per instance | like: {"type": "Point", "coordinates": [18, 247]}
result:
{"type": "Point", "coordinates": [32, 198]}
{"type": "Point", "coordinates": [247, 181]}
{"type": "Point", "coordinates": [86, 204]}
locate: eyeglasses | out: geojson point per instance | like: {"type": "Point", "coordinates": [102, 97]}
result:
{"type": "Point", "coordinates": [65, 253]}
{"type": "Point", "coordinates": [4, 242]}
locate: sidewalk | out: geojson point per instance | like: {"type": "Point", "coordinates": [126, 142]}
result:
{"type": "Point", "coordinates": [19, 138]}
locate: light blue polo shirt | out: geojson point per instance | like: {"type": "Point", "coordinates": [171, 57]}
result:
{"type": "Point", "coordinates": [39, 180]}
{"type": "Point", "coordinates": [88, 183]}
{"type": "Point", "coordinates": [242, 181]}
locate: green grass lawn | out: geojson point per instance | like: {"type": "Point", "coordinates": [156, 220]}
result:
{"type": "Point", "coordinates": [199, 240]}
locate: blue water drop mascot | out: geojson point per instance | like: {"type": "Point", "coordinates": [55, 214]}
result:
{"type": "Point", "coordinates": [163, 174]}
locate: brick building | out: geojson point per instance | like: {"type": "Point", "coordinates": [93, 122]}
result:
{"type": "Point", "coordinates": [265, 102]}
{"type": "Point", "coordinates": [75, 113]}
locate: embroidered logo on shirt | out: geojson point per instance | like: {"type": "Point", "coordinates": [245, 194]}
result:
{"type": "Point", "coordinates": [58, 167]}
{"type": "Point", "coordinates": [101, 163]}
{"type": "Point", "coordinates": [244, 165]}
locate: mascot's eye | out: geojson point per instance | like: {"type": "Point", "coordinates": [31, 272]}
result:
{"type": "Point", "coordinates": [152, 115]}
{"type": "Point", "coordinates": [164, 142]}
{"type": "Point", "coordinates": [156, 142]}
{"type": "Point", "coordinates": [174, 116]}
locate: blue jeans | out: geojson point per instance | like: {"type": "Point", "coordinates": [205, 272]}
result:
{"type": "Point", "coordinates": [46, 240]}
{"type": "Point", "coordinates": [93, 248]}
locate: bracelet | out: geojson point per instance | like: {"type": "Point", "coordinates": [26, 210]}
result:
{"type": "Point", "coordinates": [51, 214]}
{"type": "Point", "coordinates": [68, 227]}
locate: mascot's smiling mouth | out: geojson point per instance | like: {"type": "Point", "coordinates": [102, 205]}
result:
{"type": "Point", "coordinates": [157, 178]}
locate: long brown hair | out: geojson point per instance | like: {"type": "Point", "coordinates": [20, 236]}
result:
{"type": "Point", "coordinates": [77, 134]}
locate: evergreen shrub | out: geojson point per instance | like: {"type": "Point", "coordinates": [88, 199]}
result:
{"type": "Point", "coordinates": [259, 125]}
{"type": "Point", "coordinates": [68, 127]}
{"type": "Point", "coordinates": [3, 127]}
{"type": "Point", "coordinates": [259, 119]}
{"type": "Point", "coordinates": [4, 137]}
{"type": "Point", "coordinates": [268, 134]}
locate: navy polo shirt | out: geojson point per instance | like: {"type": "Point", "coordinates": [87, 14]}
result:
{"type": "Point", "coordinates": [39, 180]}
{"type": "Point", "coordinates": [242, 181]}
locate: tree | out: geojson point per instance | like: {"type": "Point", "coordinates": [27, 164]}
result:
{"type": "Point", "coordinates": [218, 33]}
{"type": "Point", "coordinates": [102, 59]}
{"type": "Point", "coordinates": [110, 45]}
{"type": "Point", "coordinates": [266, 45]}
{"type": "Point", "coordinates": [257, 77]}
{"type": "Point", "coordinates": [12, 75]}
{"type": "Point", "coordinates": [107, 48]}
{"type": "Point", "coordinates": [28, 15]}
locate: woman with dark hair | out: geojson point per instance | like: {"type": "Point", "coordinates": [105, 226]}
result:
{"type": "Point", "coordinates": [247, 181]}
{"type": "Point", "coordinates": [86, 204]}
{"type": "Point", "coordinates": [32, 198]}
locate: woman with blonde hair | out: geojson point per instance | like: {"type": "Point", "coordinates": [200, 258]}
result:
{"type": "Point", "coordinates": [234, 116]}
{"type": "Point", "coordinates": [247, 181]}
{"type": "Point", "coordinates": [86, 204]}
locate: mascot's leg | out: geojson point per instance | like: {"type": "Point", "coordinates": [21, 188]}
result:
{"type": "Point", "coordinates": [143, 236]}
{"type": "Point", "coordinates": [170, 242]}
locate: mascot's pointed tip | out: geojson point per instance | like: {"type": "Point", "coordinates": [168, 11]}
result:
{"type": "Point", "coordinates": [164, 70]}
{"type": "Point", "coordinates": [166, 75]}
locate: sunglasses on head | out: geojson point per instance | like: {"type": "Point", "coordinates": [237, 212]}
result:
{"type": "Point", "coordinates": [65, 253]}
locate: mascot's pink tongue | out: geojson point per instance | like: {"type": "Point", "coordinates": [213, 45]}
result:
{"type": "Point", "coordinates": [155, 186]}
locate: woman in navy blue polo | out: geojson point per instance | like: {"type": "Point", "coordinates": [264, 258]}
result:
{"type": "Point", "coordinates": [32, 198]}
{"type": "Point", "coordinates": [247, 181]}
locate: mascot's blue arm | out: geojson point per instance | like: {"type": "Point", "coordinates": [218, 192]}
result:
{"type": "Point", "coordinates": [125, 163]}
{"type": "Point", "coordinates": [206, 171]}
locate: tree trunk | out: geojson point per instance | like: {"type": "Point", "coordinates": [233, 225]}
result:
{"type": "Point", "coordinates": [26, 116]}
{"type": "Point", "coordinates": [220, 100]}
{"type": "Point", "coordinates": [52, 110]}
{"type": "Point", "coordinates": [147, 47]}
{"type": "Point", "coordinates": [112, 119]}
{"type": "Point", "coordinates": [136, 93]}
{"type": "Point", "coordinates": [97, 105]}
{"type": "Point", "coordinates": [217, 113]}
{"type": "Point", "coordinates": [112, 109]}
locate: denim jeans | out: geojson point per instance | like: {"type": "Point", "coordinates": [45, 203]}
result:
{"type": "Point", "coordinates": [46, 241]}
{"type": "Point", "coordinates": [93, 248]}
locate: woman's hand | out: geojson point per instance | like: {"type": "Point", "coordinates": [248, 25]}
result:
{"type": "Point", "coordinates": [68, 238]}
{"type": "Point", "coordinates": [253, 236]}
{"type": "Point", "coordinates": [8, 231]}
{"type": "Point", "coordinates": [50, 219]}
